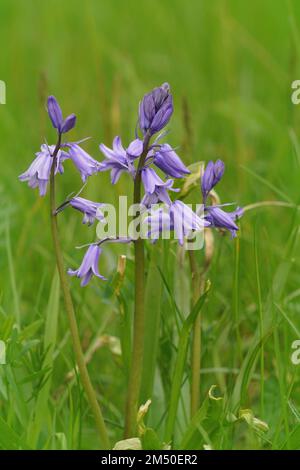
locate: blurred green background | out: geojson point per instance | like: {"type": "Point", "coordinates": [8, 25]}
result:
{"type": "Point", "coordinates": [230, 65]}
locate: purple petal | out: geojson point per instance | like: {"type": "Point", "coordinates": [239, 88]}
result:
{"type": "Point", "coordinates": [68, 123]}
{"type": "Point", "coordinates": [169, 162]}
{"type": "Point", "coordinates": [135, 149]}
{"type": "Point", "coordinates": [54, 112]}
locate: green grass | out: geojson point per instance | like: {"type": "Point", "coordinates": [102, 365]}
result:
{"type": "Point", "coordinates": [230, 65]}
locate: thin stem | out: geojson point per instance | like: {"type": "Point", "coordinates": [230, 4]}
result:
{"type": "Point", "coordinates": [256, 205]}
{"type": "Point", "coordinates": [235, 300]}
{"type": "Point", "coordinates": [136, 365]}
{"type": "Point", "coordinates": [261, 326]}
{"type": "Point", "coordinates": [197, 287]}
{"type": "Point", "coordinates": [86, 382]}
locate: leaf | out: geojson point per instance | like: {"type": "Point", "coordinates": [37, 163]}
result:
{"type": "Point", "coordinates": [179, 367]}
{"type": "Point", "coordinates": [41, 411]}
{"type": "Point", "coordinates": [208, 417]}
{"type": "Point", "coordinates": [15, 293]}
{"type": "Point", "coordinates": [246, 371]}
{"type": "Point", "coordinates": [293, 440]}
{"type": "Point", "coordinates": [150, 440]}
{"type": "Point", "coordinates": [9, 440]}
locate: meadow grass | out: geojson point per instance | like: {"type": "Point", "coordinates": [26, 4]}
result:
{"type": "Point", "coordinates": [230, 65]}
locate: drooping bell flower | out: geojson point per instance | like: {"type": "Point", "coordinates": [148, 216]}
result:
{"type": "Point", "coordinates": [169, 162]}
{"type": "Point", "coordinates": [225, 220]}
{"type": "Point", "coordinates": [118, 159]}
{"type": "Point", "coordinates": [38, 173]}
{"type": "Point", "coordinates": [84, 163]}
{"type": "Point", "coordinates": [91, 210]}
{"type": "Point", "coordinates": [89, 266]}
{"type": "Point", "coordinates": [185, 221]}
{"type": "Point", "coordinates": [177, 217]}
{"type": "Point", "coordinates": [156, 190]}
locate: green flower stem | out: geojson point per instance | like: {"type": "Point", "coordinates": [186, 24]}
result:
{"type": "Point", "coordinates": [197, 287]}
{"type": "Point", "coordinates": [86, 382]}
{"type": "Point", "coordinates": [135, 374]}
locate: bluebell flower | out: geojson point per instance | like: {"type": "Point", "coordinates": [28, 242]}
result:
{"type": "Point", "coordinates": [211, 176]}
{"type": "Point", "coordinates": [155, 109]}
{"type": "Point", "coordinates": [85, 164]}
{"type": "Point", "coordinates": [177, 217]}
{"type": "Point", "coordinates": [55, 114]}
{"type": "Point", "coordinates": [89, 265]}
{"type": "Point", "coordinates": [119, 159]}
{"type": "Point", "coordinates": [216, 216]}
{"type": "Point", "coordinates": [169, 162]}
{"type": "Point", "coordinates": [90, 209]}
{"type": "Point", "coordinates": [156, 190]}
{"type": "Point", "coordinates": [38, 173]}
{"type": "Point", "coordinates": [135, 149]}
{"type": "Point", "coordinates": [225, 220]}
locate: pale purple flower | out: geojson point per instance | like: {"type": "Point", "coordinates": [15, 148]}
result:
{"type": "Point", "coordinates": [85, 164]}
{"type": "Point", "coordinates": [39, 171]}
{"type": "Point", "coordinates": [55, 114]}
{"type": "Point", "coordinates": [119, 159]}
{"type": "Point", "coordinates": [90, 209]}
{"type": "Point", "coordinates": [211, 176]}
{"type": "Point", "coordinates": [89, 265]}
{"type": "Point", "coordinates": [135, 149]}
{"type": "Point", "coordinates": [178, 217]}
{"type": "Point", "coordinates": [155, 109]}
{"type": "Point", "coordinates": [225, 220]}
{"type": "Point", "coordinates": [169, 162]}
{"type": "Point", "coordinates": [155, 188]}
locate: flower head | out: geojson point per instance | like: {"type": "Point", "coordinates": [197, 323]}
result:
{"type": "Point", "coordinates": [90, 209]}
{"type": "Point", "coordinates": [178, 217]}
{"type": "Point", "coordinates": [156, 109]}
{"type": "Point", "coordinates": [224, 220]}
{"type": "Point", "coordinates": [155, 188]}
{"type": "Point", "coordinates": [211, 176]}
{"type": "Point", "coordinates": [55, 114]}
{"type": "Point", "coordinates": [169, 162]}
{"type": "Point", "coordinates": [89, 265]}
{"type": "Point", "coordinates": [119, 159]}
{"type": "Point", "coordinates": [39, 171]}
{"type": "Point", "coordinates": [85, 164]}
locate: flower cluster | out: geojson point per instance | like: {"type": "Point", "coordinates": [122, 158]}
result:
{"type": "Point", "coordinates": [156, 164]}
{"type": "Point", "coordinates": [38, 173]}
{"type": "Point", "coordinates": [155, 111]}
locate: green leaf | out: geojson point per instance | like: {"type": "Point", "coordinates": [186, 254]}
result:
{"type": "Point", "coordinates": [179, 366]}
{"type": "Point", "coordinates": [41, 412]}
{"type": "Point", "coordinates": [206, 419]}
{"type": "Point", "coordinates": [150, 440]}
{"type": "Point", "coordinates": [9, 440]}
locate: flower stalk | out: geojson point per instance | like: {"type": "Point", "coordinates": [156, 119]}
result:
{"type": "Point", "coordinates": [198, 276]}
{"type": "Point", "coordinates": [85, 378]}
{"type": "Point", "coordinates": [197, 288]}
{"type": "Point", "coordinates": [134, 383]}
